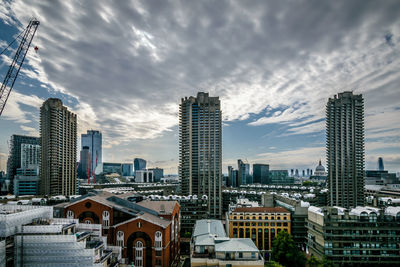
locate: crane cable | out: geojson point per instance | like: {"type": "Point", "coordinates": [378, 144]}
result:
{"type": "Point", "coordinates": [19, 35]}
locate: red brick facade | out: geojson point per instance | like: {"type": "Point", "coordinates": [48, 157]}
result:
{"type": "Point", "coordinates": [132, 229]}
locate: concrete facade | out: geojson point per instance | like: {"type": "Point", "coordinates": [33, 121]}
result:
{"type": "Point", "coordinates": [58, 135]}
{"type": "Point", "coordinates": [345, 150]}
{"type": "Point", "coordinates": [200, 149]}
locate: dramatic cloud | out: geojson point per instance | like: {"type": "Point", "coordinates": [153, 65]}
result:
{"type": "Point", "coordinates": [126, 64]}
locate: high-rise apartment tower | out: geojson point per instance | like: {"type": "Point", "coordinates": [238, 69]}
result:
{"type": "Point", "coordinates": [345, 150]}
{"type": "Point", "coordinates": [200, 149]}
{"type": "Point", "coordinates": [58, 151]}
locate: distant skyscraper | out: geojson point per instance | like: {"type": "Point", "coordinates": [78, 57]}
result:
{"type": "Point", "coordinates": [297, 173]}
{"type": "Point", "coordinates": [380, 164]}
{"type": "Point", "coordinates": [30, 156]}
{"type": "Point", "coordinates": [291, 172]}
{"type": "Point", "coordinates": [304, 173]}
{"type": "Point", "coordinates": [17, 153]}
{"type": "Point", "coordinates": [93, 140]}
{"type": "Point", "coordinates": [232, 177]}
{"type": "Point", "coordinates": [261, 173]}
{"type": "Point", "coordinates": [345, 150]}
{"type": "Point", "coordinates": [158, 173]}
{"type": "Point", "coordinates": [58, 151]}
{"type": "Point", "coordinates": [244, 172]}
{"type": "Point", "coordinates": [84, 166]}
{"type": "Point", "coordinates": [200, 149]}
{"type": "Point", "coordinates": [127, 169]}
{"type": "Point", "coordinates": [139, 164]}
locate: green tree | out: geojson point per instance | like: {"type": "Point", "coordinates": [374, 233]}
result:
{"type": "Point", "coordinates": [314, 262]}
{"type": "Point", "coordinates": [327, 263]}
{"type": "Point", "coordinates": [272, 264]}
{"type": "Point", "coordinates": [285, 252]}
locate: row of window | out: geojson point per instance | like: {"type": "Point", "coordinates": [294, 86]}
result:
{"type": "Point", "coordinates": [259, 218]}
{"type": "Point", "coordinates": [260, 224]}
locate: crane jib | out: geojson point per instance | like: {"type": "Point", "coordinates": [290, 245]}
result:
{"type": "Point", "coordinates": [16, 64]}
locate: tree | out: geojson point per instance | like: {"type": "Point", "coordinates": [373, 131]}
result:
{"type": "Point", "coordinates": [285, 252]}
{"type": "Point", "coordinates": [327, 263]}
{"type": "Point", "coordinates": [272, 264]}
{"type": "Point", "coordinates": [314, 262]}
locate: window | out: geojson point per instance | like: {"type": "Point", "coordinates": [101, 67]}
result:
{"type": "Point", "coordinates": [120, 239]}
{"type": "Point", "coordinates": [106, 219]}
{"type": "Point", "coordinates": [158, 240]}
{"type": "Point", "coordinates": [139, 254]}
{"type": "Point", "coordinates": [88, 205]}
{"type": "Point", "coordinates": [88, 222]}
{"type": "Point", "coordinates": [172, 228]}
{"type": "Point", "coordinates": [70, 214]}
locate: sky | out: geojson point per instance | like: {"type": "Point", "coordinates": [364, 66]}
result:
{"type": "Point", "coordinates": [123, 67]}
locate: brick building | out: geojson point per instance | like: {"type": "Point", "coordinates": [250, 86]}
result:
{"type": "Point", "coordinates": [147, 231]}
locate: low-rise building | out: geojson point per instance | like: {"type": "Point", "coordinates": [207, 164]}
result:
{"type": "Point", "coordinates": [359, 236]}
{"type": "Point", "coordinates": [144, 176]}
{"type": "Point", "coordinates": [299, 212]}
{"type": "Point", "coordinates": [211, 247]}
{"type": "Point", "coordinates": [147, 231]}
{"type": "Point", "coordinates": [34, 238]}
{"type": "Point", "coordinates": [261, 224]}
{"type": "Point", "coordinates": [26, 182]}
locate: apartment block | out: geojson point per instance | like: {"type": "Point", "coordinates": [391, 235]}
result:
{"type": "Point", "coordinates": [58, 154]}
{"type": "Point", "coordinates": [357, 236]}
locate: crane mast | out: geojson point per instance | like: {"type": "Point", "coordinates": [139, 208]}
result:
{"type": "Point", "coordinates": [17, 62]}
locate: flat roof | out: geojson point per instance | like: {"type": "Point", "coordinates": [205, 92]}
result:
{"type": "Point", "coordinates": [236, 244]}
{"type": "Point", "coordinates": [261, 209]}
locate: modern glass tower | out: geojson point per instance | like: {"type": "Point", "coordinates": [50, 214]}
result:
{"type": "Point", "coordinates": [93, 140]}
{"type": "Point", "coordinates": [261, 173]}
{"type": "Point", "coordinates": [58, 152]}
{"type": "Point", "coordinates": [17, 156]}
{"type": "Point", "coordinates": [200, 149]}
{"type": "Point", "coordinates": [345, 150]}
{"type": "Point", "coordinates": [244, 173]}
{"type": "Point", "coordinates": [138, 164]}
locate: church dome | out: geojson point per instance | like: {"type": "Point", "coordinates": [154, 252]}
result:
{"type": "Point", "coordinates": [320, 168]}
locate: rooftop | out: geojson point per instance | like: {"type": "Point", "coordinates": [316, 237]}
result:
{"type": "Point", "coordinates": [209, 227]}
{"type": "Point", "coordinates": [162, 207]}
{"type": "Point", "coordinates": [261, 209]}
{"type": "Point", "coordinates": [236, 244]}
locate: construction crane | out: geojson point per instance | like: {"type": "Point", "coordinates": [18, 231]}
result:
{"type": "Point", "coordinates": [16, 64]}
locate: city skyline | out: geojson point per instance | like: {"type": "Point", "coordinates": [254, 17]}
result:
{"type": "Point", "coordinates": [272, 71]}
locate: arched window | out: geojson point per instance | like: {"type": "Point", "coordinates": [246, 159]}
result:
{"type": "Point", "coordinates": [372, 217]}
{"type": "Point", "coordinates": [139, 254]}
{"type": "Point", "coordinates": [158, 240]}
{"type": "Point", "coordinates": [70, 214]}
{"type": "Point", "coordinates": [364, 216]}
{"type": "Point", "coordinates": [106, 219]}
{"type": "Point", "coordinates": [120, 239]}
{"type": "Point", "coordinates": [173, 228]}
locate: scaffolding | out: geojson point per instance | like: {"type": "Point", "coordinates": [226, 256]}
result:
{"type": "Point", "coordinates": [12, 217]}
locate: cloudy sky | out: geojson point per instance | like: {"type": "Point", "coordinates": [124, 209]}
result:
{"type": "Point", "coordinates": [123, 67]}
